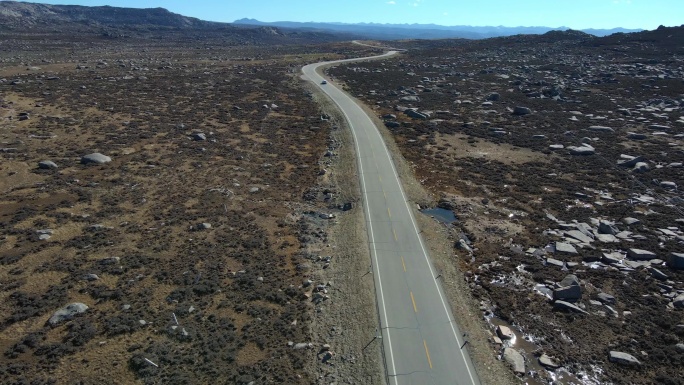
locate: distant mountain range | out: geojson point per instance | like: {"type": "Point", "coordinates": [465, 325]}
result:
{"type": "Point", "coordinates": [108, 20]}
{"type": "Point", "coordinates": [421, 31]}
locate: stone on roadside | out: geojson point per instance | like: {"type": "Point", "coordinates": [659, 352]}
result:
{"type": "Point", "coordinates": [67, 312]}
{"type": "Point", "coordinates": [95, 158]}
{"type": "Point", "coordinates": [515, 359]}
{"type": "Point", "coordinates": [623, 358]}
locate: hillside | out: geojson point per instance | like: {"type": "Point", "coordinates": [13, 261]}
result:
{"type": "Point", "coordinates": [134, 22]}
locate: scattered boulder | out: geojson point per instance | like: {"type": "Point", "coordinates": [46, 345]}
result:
{"type": "Point", "coordinates": [629, 161]}
{"type": "Point", "coordinates": [636, 136]}
{"type": "Point", "coordinates": [47, 165]}
{"type": "Point", "coordinates": [601, 129]}
{"type": "Point", "coordinates": [641, 167]}
{"type": "Point", "coordinates": [569, 289]}
{"type": "Point", "coordinates": [641, 255]}
{"type": "Point", "coordinates": [562, 305]}
{"type": "Point", "coordinates": [199, 136]}
{"type": "Point", "coordinates": [668, 185]}
{"type": "Point", "coordinates": [607, 227]}
{"type": "Point", "coordinates": [505, 332]}
{"type": "Point", "coordinates": [521, 111]}
{"type": "Point", "coordinates": [630, 221]}
{"type": "Point", "coordinates": [515, 359]}
{"type": "Point", "coordinates": [623, 358]}
{"type": "Point", "coordinates": [548, 362]}
{"type": "Point", "coordinates": [582, 150]}
{"type": "Point", "coordinates": [562, 247]}
{"type": "Point", "coordinates": [606, 298]}
{"type": "Point", "coordinates": [95, 158]}
{"type": "Point", "coordinates": [410, 98]}
{"type": "Point", "coordinates": [67, 312]}
{"type": "Point", "coordinates": [571, 293]}
{"type": "Point", "coordinates": [676, 261]}
{"type": "Point", "coordinates": [657, 274]}
{"type": "Point", "coordinates": [679, 301]}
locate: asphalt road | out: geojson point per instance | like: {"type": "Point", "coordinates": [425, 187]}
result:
{"type": "Point", "coordinates": [422, 343]}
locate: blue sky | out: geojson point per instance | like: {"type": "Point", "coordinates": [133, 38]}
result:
{"type": "Point", "coordinates": [578, 14]}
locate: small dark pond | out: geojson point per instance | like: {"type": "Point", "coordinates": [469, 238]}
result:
{"type": "Point", "coordinates": [442, 215]}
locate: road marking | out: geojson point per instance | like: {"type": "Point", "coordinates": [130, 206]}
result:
{"type": "Point", "coordinates": [395, 234]}
{"type": "Point", "coordinates": [427, 353]}
{"type": "Point", "coordinates": [389, 213]}
{"type": "Point", "coordinates": [403, 264]}
{"type": "Point", "coordinates": [415, 309]}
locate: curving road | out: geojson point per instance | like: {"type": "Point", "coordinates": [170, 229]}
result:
{"type": "Point", "coordinates": [422, 343]}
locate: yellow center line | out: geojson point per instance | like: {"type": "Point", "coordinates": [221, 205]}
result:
{"type": "Point", "coordinates": [427, 353]}
{"type": "Point", "coordinates": [389, 213]}
{"type": "Point", "coordinates": [415, 309]}
{"type": "Point", "coordinates": [403, 264]}
{"type": "Point", "coordinates": [395, 234]}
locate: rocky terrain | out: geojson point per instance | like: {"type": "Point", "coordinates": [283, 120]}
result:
{"type": "Point", "coordinates": [165, 210]}
{"type": "Point", "coordinates": [561, 156]}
